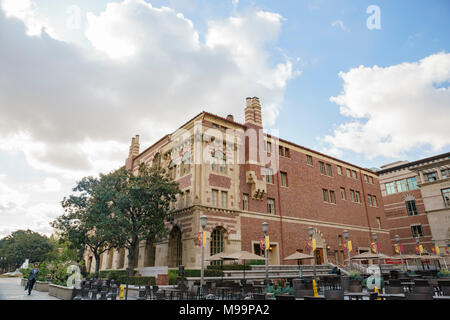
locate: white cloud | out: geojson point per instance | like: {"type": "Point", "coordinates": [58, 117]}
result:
{"type": "Point", "coordinates": [395, 109]}
{"type": "Point", "coordinates": [340, 24]}
{"type": "Point", "coordinates": [72, 110]}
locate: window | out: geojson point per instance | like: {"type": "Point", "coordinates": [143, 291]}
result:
{"type": "Point", "coordinates": [332, 197]}
{"type": "Point", "coordinates": [269, 175]}
{"type": "Point", "coordinates": [446, 196]}
{"type": "Point", "coordinates": [216, 244]}
{"type": "Point", "coordinates": [390, 188]}
{"type": "Point", "coordinates": [411, 207]}
{"type": "Point", "coordinates": [284, 181]}
{"type": "Point", "coordinates": [352, 195]}
{"type": "Point", "coordinates": [322, 167]}
{"type": "Point", "coordinates": [431, 176]}
{"type": "Point", "coordinates": [349, 173]}
{"type": "Point", "coordinates": [223, 199]}
{"type": "Point", "coordinates": [281, 151]}
{"type": "Point", "coordinates": [379, 222]}
{"type": "Point", "coordinates": [354, 175]}
{"type": "Point", "coordinates": [444, 174]}
{"type": "Point", "coordinates": [412, 183]}
{"type": "Point", "coordinates": [309, 160]}
{"type": "Point", "coordinates": [374, 201]}
{"type": "Point", "coordinates": [329, 170]}
{"type": "Point", "coordinates": [219, 162]}
{"type": "Point", "coordinates": [366, 180]}
{"type": "Point", "coordinates": [417, 231]}
{"type": "Point", "coordinates": [245, 201]}
{"type": "Point", "coordinates": [343, 197]}
{"type": "Point", "coordinates": [325, 195]}
{"type": "Point", "coordinates": [286, 152]}
{"type": "Point", "coordinates": [358, 199]}
{"type": "Point", "coordinates": [215, 195]}
{"type": "Point", "coordinates": [271, 206]}
{"type": "Point", "coordinates": [369, 199]}
{"type": "Point", "coordinates": [187, 198]}
{"type": "Point", "coordinates": [185, 164]}
{"type": "Point", "coordinates": [268, 146]}
{"type": "Point", "coordinates": [401, 185]}
{"type": "Point", "coordinates": [370, 179]}
{"type": "Point", "coordinates": [339, 170]}
{"type": "Point", "coordinates": [172, 170]}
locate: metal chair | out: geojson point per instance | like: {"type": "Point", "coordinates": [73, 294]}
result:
{"type": "Point", "coordinates": [334, 294]}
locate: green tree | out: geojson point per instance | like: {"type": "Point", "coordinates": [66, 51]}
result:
{"type": "Point", "coordinates": [88, 220]}
{"type": "Point", "coordinates": [25, 244]}
{"type": "Point", "coordinates": [140, 204]}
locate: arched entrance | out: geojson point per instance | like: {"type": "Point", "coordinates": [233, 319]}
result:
{"type": "Point", "coordinates": [175, 248]}
{"type": "Point", "coordinates": [319, 253]}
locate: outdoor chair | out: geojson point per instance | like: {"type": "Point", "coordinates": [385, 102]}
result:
{"type": "Point", "coordinates": [394, 289]}
{"type": "Point", "coordinates": [334, 294]}
{"type": "Point", "coordinates": [284, 297]}
{"type": "Point", "coordinates": [259, 296]}
{"type": "Point", "coordinates": [418, 296]}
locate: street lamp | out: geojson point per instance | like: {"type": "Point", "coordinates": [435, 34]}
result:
{"type": "Point", "coordinates": [203, 222]}
{"type": "Point", "coordinates": [310, 233]}
{"type": "Point", "coordinates": [348, 251]}
{"type": "Point", "coordinates": [265, 227]}
{"type": "Point", "coordinates": [397, 239]}
{"type": "Point", "coordinates": [375, 237]}
{"type": "Point", "coordinates": [420, 253]}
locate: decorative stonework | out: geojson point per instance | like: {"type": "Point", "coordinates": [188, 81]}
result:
{"type": "Point", "coordinates": [258, 187]}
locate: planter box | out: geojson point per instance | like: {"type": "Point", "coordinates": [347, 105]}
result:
{"type": "Point", "coordinates": [60, 292]}
{"type": "Point", "coordinates": [41, 286]}
{"type": "Point", "coordinates": [23, 282]}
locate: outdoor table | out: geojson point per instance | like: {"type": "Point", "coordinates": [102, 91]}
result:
{"type": "Point", "coordinates": [409, 284]}
{"type": "Point", "coordinates": [387, 295]}
{"type": "Point", "coordinates": [441, 297]}
{"type": "Point", "coordinates": [357, 295]}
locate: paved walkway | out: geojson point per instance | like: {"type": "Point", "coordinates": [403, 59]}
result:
{"type": "Point", "coordinates": [10, 289]}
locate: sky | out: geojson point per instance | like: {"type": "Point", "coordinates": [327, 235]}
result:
{"type": "Point", "coordinates": [365, 81]}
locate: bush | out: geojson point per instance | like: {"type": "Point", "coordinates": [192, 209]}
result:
{"type": "Point", "coordinates": [139, 281]}
{"type": "Point", "coordinates": [113, 274]}
{"type": "Point", "coordinates": [256, 262]}
{"type": "Point", "coordinates": [443, 273]}
{"type": "Point", "coordinates": [229, 267]}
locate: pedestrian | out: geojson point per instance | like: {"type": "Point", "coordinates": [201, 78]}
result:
{"type": "Point", "coordinates": [32, 278]}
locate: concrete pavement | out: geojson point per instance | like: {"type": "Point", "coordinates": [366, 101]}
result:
{"type": "Point", "coordinates": [10, 289]}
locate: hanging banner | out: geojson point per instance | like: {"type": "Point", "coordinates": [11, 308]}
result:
{"type": "Point", "coordinates": [261, 243]}
{"type": "Point", "coordinates": [204, 239]}
{"type": "Point", "coordinates": [373, 247]}
{"type": "Point", "coordinates": [267, 242]}
{"type": "Point", "coordinates": [396, 248]}
{"type": "Point", "coordinates": [446, 250]}
{"type": "Point", "coordinates": [349, 246]}
{"type": "Point", "coordinates": [314, 244]}
{"type": "Point", "coordinates": [433, 250]}
{"type": "Point", "coordinates": [308, 246]}
{"type": "Point", "coordinates": [437, 250]}
{"type": "Point", "coordinates": [417, 250]}
{"type": "Point", "coordinates": [199, 239]}
{"type": "Point", "coordinates": [378, 247]}
{"type": "Point", "coordinates": [345, 248]}
{"type": "Point", "coordinates": [420, 248]}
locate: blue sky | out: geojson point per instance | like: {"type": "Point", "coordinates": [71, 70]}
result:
{"type": "Point", "coordinates": [72, 97]}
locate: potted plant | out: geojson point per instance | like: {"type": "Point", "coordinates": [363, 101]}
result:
{"type": "Point", "coordinates": [443, 273]}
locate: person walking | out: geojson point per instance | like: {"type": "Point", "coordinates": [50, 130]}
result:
{"type": "Point", "coordinates": [32, 278]}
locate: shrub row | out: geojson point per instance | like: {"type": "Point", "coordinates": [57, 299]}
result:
{"type": "Point", "coordinates": [229, 267]}
{"type": "Point", "coordinates": [113, 274]}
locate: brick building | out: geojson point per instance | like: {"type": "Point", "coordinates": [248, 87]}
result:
{"type": "Point", "coordinates": [415, 203]}
{"type": "Point", "coordinates": [239, 177]}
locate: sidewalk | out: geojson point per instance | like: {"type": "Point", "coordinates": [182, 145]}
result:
{"type": "Point", "coordinates": [10, 289]}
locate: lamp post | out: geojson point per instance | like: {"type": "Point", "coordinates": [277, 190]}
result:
{"type": "Point", "coordinates": [265, 227]}
{"type": "Point", "coordinates": [348, 251]}
{"type": "Point", "coordinates": [397, 239]}
{"type": "Point", "coordinates": [375, 238]}
{"type": "Point", "coordinates": [420, 253]}
{"type": "Point", "coordinates": [310, 233]}
{"type": "Point", "coordinates": [203, 221]}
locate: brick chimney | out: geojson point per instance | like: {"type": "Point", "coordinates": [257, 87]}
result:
{"type": "Point", "coordinates": [253, 112]}
{"type": "Point", "coordinates": [134, 152]}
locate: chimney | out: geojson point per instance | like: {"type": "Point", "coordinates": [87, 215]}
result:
{"type": "Point", "coordinates": [230, 117]}
{"type": "Point", "coordinates": [134, 147]}
{"type": "Point", "coordinates": [253, 111]}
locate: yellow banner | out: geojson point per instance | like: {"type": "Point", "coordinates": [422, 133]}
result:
{"type": "Point", "coordinates": [396, 248]}
{"type": "Point", "coordinates": [316, 294]}
{"type": "Point", "coordinates": [204, 239]}
{"type": "Point", "coordinates": [122, 288]}
{"type": "Point", "coordinates": [267, 243]}
{"type": "Point", "coordinates": [314, 244]}
{"type": "Point", "coordinates": [437, 249]}
{"type": "Point", "coordinates": [349, 246]}
{"type": "Point", "coordinates": [420, 248]}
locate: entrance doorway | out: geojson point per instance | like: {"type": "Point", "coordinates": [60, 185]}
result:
{"type": "Point", "coordinates": [318, 256]}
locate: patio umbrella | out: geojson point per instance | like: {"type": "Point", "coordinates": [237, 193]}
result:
{"type": "Point", "coordinates": [370, 256]}
{"type": "Point", "coordinates": [299, 256]}
{"type": "Point", "coordinates": [242, 255]}
{"type": "Point", "coordinates": [219, 257]}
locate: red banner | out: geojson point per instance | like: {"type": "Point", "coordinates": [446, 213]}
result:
{"type": "Point", "coordinates": [261, 243]}
{"type": "Point", "coordinates": [433, 250]}
{"type": "Point", "coordinates": [345, 248]}
{"type": "Point", "coordinates": [417, 250]}
{"type": "Point", "coordinates": [308, 246]}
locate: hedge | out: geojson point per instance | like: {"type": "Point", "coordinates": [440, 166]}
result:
{"type": "Point", "coordinates": [229, 267]}
{"type": "Point", "coordinates": [113, 274]}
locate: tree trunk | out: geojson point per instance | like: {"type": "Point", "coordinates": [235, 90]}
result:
{"type": "Point", "coordinates": [97, 263]}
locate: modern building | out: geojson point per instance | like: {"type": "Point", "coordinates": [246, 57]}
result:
{"type": "Point", "coordinates": [415, 196]}
{"type": "Point", "coordinates": [239, 177]}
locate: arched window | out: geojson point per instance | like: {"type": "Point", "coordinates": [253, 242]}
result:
{"type": "Point", "coordinates": [172, 170]}
{"type": "Point", "coordinates": [185, 163]}
{"type": "Point", "coordinates": [175, 247]}
{"type": "Point", "coordinates": [217, 244]}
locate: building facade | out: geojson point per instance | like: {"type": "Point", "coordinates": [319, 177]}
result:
{"type": "Point", "coordinates": [239, 177]}
{"type": "Point", "coordinates": [415, 196]}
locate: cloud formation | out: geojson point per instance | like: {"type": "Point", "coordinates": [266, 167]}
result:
{"type": "Point", "coordinates": [72, 110]}
{"type": "Point", "coordinates": [394, 109]}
